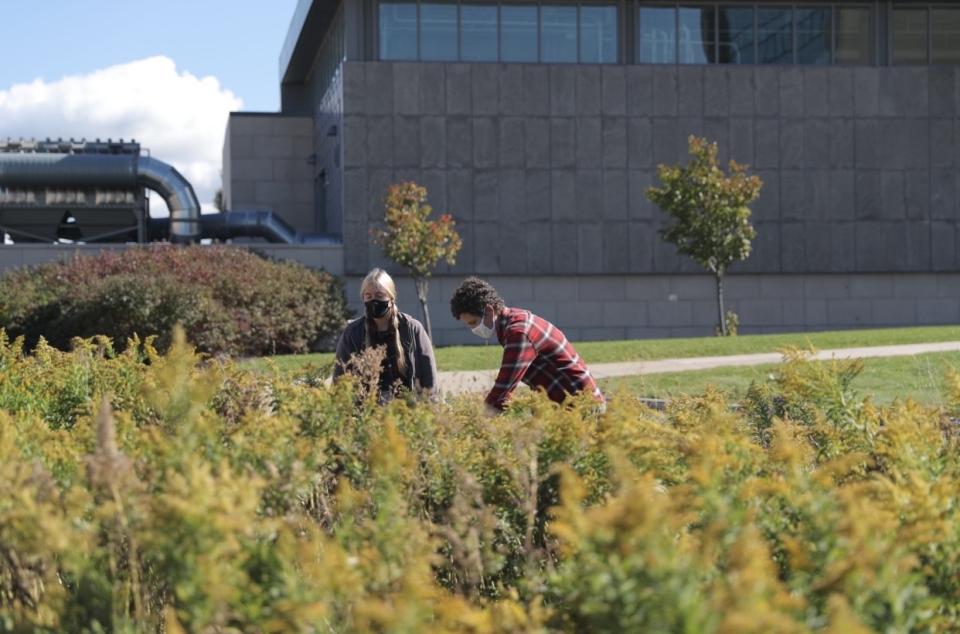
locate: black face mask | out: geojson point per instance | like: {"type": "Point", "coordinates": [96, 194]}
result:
{"type": "Point", "coordinates": [376, 307]}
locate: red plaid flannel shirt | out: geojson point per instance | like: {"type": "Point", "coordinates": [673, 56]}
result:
{"type": "Point", "coordinates": [537, 353]}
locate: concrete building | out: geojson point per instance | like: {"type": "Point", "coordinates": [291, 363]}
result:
{"type": "Point", "coordinates": [539, 126]}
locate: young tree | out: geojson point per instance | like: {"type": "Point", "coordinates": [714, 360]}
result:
{"type": "Point", "coordinates": [410, 239]}
{"type": "Point", "coordinates": [709, 210]}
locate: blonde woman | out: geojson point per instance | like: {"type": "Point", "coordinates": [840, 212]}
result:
{"type": "Point", "coordinates": [409, 360]}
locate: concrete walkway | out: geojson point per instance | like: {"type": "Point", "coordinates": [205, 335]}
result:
{"type": "Point", "coordinates": [482, 380]}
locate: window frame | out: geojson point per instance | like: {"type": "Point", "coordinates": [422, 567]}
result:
{"type": "Point", "coordinates": [620, 56]}
{"type": "Point", "coordinates": [872, 23]}
{"type": "Point", "coordinates": [927, 8]}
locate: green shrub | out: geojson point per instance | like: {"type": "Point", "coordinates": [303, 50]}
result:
{"type": "Point", "coordinates": [201, 497]}
{"type": "Point", "coordinates": [229, 301]}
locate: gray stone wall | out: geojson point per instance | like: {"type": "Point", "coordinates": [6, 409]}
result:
{"type": "Point", "coordinates": [266, 166]}
{"type": "Point", "coordinates": [545, 166]}
{"type": "Point", "coordinates": [641, 306]}
{"type": "Point", "coordinates": [680, 305]}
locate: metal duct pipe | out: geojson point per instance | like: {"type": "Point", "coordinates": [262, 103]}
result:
{"type": "Point", "coordinates": [177, 192]}
{"type": "Point", "coordinates": [247, 224]}
{"type": "Point", "coordinates": [82, 170]}
{"type": "Point", "coordinates": [109, 170]}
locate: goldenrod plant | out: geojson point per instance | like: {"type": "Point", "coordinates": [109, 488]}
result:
{"type": "Point", "coordinates": [144, 492]}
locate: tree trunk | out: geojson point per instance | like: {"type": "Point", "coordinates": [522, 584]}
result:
{"type": "Point", "coordinates": [422, 296]}
{"type": "Point", "coordinates": [723, 318]}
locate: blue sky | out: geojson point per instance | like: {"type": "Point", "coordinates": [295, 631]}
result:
{"type": "Point", "coordinates": [166, 73]}
{"type": "Point", "coordinates": [238, 41]}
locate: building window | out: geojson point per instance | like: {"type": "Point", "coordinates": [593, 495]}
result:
{"type": "Point", "coordinates": [478, 33]}
{"type": "Point", "coordinates": [925, 34]}
{"type": "Point", "coordinates": [854, 44]}
{"type": "Point", "coordinates": [695, 35]}
{"type": "Point", "coordinates": [398, 30]}
{"type": "Point", "coordinates": [774, 36]}
{"type": "Point", "coordinates": [490, 32]}
{"type": "Point", "coordinates": [438, 31]}
{"type": "Point", "coordinates": [944, 36]}
{"type": "Point", "coordinates": [814, 35]}
{"type": "Point", "coordinates": [909, 36]}
{"type": "Point", "coordinates": [737, 37]}
{"type": "Point", "coordinates": [598, 34]}
{"type": "Point", "coordinates": [558, 33]}
{"type": "Point", "coordinates": [518, 33]}
{"type": "Point", "coordinates": [744, 33]}
{"type": "Point", "coordinates": [657, 35]}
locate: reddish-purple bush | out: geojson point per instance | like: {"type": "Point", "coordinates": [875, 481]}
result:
{"type": "Point", "coordinates": [229, 300]}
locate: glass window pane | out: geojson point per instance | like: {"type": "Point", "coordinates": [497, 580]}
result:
{"type": "Point", "coordinates": [854, 41]}
{"type": "Point", "coordinates": [478, 33]}
{"type": "Point", "coordinates": [438, 32]}
{"type": "Point", "coordinates": [658, 35]}
{"type": "Point", "coordinates": [813, 36]}
{"type": "Point", "coordinates": [518, 33]}
{"type": "Point", "coordinates": [736, 35]}
{"type": "Point", "coordinates": [910, 36]}
{"type": "Point", "coordinates": [696, 35]}
{"type": "Point", "coordinates": [945, 36]}
{"type": "Point", "coordinates": [398, 30]}
{"type": "Point", "coordinates": [598, 35]}
{"type": "Point", "coordinates": [558, 33]}
{"type": "Point", "coordinates": [774, 36]}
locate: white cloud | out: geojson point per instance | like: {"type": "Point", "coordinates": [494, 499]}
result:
{"type": "Point", "coordinates": [179, 117]}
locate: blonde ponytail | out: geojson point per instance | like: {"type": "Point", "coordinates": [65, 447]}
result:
{"type": "Point", "coordinates": [398, 345]}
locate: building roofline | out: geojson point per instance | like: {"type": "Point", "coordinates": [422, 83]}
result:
{"type": "Point", "coordinates": [297, 22]}
{"type": "Point", "coordinates": [298, 52]}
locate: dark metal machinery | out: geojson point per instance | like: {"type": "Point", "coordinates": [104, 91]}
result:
{"type": "Point", "coordinates": [85, 206]}
{"type": "Point", "coordinates": [82, 191]}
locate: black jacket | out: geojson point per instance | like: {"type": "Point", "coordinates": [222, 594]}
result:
{"type": "Point", "coordinates": [416, 346]}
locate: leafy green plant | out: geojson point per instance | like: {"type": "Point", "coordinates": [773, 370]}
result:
{"type": "Point", "coordinates": [710, 213]}
{"type": "Point", "coordinates": [229, 300]}
{"type": "Point", "coordinates": [413, 241]}
{"type": "Point", "coordinates": [732, 321]}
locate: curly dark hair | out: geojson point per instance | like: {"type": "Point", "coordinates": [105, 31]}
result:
{"type": "Point", "coordinates": [472, 295]}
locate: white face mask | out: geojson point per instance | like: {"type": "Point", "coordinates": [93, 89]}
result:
{"type": "Point", "coordinates": [482, 330]}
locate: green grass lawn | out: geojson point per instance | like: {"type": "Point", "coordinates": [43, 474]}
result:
{"type": "Point", "coordinates": [486, 357]}
{"type": "Point", "coordinates": [919, 377]}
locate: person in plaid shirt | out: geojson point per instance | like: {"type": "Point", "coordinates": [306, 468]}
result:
{"type": "Point", "coordinates": [535, 351]}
